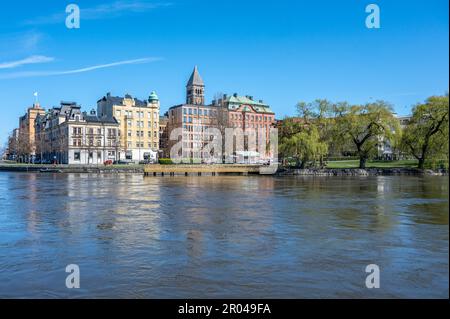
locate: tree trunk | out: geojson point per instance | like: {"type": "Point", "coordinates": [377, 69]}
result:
{"type": "Point", "coordinates": [421, 163]}
{"type": "Point", "coordinates": [362, 162]}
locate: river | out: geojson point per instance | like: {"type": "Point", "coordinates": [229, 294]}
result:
{"type": "Point", "coordinates": [223, 237]}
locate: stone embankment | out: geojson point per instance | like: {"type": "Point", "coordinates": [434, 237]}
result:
{"type": "Point", "coordinates": [361, 172]}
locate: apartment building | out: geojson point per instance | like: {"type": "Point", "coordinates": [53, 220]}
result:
{"type": "Point", "coordinates": [66, 135]}
{"type": "Point", "coordinates": [138, 125]}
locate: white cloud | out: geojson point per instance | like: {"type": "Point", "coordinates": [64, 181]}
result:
{"type": "Point", "coordinates": [103, 11]}
{"type": "Point", "coordinates": [16, 75]}
{"type": "Point", "coordinates": [35, 59]}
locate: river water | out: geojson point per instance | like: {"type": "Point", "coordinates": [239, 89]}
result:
{"type": "Point", "coordinates": [223, 237]}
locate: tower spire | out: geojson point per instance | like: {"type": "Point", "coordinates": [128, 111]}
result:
{"type": "Point", "coordinates": [195, 89]}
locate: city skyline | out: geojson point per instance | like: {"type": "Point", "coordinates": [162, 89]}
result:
{"type": "Point", "coordinates": [282, 53]}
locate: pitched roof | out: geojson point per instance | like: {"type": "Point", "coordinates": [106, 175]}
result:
{"type": "Point", "coordinates": [195, 78]}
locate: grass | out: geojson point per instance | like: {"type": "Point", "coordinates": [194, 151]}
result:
{"type": "Point", "coordinates": [374, 164]}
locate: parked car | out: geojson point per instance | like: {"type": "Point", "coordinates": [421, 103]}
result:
{"type": "Point", "coordinates": [108, 162]}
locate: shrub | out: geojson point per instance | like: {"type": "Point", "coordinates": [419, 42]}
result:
{"type": "Point", "coordinates": [165, 161]}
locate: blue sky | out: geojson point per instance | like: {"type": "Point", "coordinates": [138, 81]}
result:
{"type": "Point", "coordinates": [280, 51]}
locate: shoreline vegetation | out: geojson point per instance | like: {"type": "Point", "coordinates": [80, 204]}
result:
{"type": "Point", "coordinates": [333, 168]}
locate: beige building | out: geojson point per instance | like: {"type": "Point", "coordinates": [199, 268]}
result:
{"type": "Point", "coordinates": [26, 148]}
{"type": "Point", "coordinates": [138, 122]}
{"type": "Point", "coordinates": [65, 135]}
{"type": "Point", "coordinates": [193, 120]}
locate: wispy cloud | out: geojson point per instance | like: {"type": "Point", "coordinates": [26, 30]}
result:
{"type": "Point", "coordinates": [16, 75]}
{"type": "Point", "coordinates": [21, 43]}
{"type": "Point", "coordinates": [35, 59]}
{"type": "Point", "coordinates": [103, 11]}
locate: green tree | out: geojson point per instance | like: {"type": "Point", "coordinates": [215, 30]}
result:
{"type": "Point", "coordinates": [305, 138]}
{"type": "Point", "coordinates": [426, 135]}
{"type": "Point", "coordinates": [365, 127]}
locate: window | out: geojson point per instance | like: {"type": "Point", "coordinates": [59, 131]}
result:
{"type": "Point", "coordinates": [99, 131]}
{"type": "Point", "coordinates": [91, 155]}
{"type": "Point", "coordinates": [129, 133]}
{"type": "Point", "coordinates": [129, 123]}
{"type": "Point", "coordinates": [118, 113]}
{"type": "Point", "coordinates": [99, 156]}
{"type": "Point", "coordinates": [91, 131]}
{"type": "Point", "coordinates": [190, 111]}
{"type": "Point", "coordinates": [76, 156]}
{"type": "Point", "coordinates": [99, 142]}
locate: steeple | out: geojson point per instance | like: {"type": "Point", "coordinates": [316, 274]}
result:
{"type": "Point", "coordinates": [195, 89]}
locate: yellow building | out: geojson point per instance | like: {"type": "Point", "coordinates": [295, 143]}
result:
{"type": "Point", "coordinates": [138, 125]}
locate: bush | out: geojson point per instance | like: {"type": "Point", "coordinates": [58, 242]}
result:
{"type": "Point", "coordinates": [435, 164]}
{"type": "Point", "coordinates": [165, 161]}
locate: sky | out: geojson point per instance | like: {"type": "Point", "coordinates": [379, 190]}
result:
{"type": "Point", "coordinates": [280, 51]}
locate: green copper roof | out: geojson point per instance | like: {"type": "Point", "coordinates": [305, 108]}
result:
{"type": "Point", "coordinates": [258, 106]}
{"type": "Point", "coordinates": [153, 97]}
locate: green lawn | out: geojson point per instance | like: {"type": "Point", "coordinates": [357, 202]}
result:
{"type": "Point", "coordinates": [374, 164]}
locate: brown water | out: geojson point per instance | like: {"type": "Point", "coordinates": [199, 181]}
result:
{"type": "Point", "coordinates": [240, 237]}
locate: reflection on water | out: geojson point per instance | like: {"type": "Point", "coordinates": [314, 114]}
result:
{"type": "Point", "coordinates": [242, 237]}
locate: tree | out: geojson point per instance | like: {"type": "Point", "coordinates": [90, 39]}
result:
{"type": "Point", "coordinates": [366, 126]}
{"type": "Point", "coordinates": [306, 137]}
{"type": "Point", "coordinates": [426, 135]}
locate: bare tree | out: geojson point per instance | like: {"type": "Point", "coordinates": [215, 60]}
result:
{"type": "Point", "coordinates": [221, 120]}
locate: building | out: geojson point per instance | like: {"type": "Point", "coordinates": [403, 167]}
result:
{"type": "Point", "coordinates": [13, 142]}
{"type": "Point", "coordinates": [26, 148]}
{"type": "Point", "coordinates": [194, 119]}
{"type": "Point", "coordinates": [163, 136]}
{"type": "Point", "coordinates": [138, 122]}
{"type": "Point", "coordinates": [250, 115]}
{"type": "Point", "coordinates": [66, 135]}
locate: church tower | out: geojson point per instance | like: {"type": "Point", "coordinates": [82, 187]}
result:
{"type": "Point", "coordinates": [195, 89]}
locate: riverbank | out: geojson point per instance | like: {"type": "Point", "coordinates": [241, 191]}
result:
{"type": "Point", "coordinates": [140, 169]}
{"type": "Point", "coordinates": [361, 172]}
{"type": "Point", "coordinates": [91, 169]}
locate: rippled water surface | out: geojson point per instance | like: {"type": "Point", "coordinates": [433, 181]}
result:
{"type": "Point", "coordinates": [206, 237]}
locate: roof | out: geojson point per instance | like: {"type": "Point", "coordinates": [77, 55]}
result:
{"type": "Point", "coordinates": [195, 78]}
{"type": "Point", "coordinates": [117, 100]}
{"type": "Point", "coordinates": [258, 106]}
{"type": "Point", "coordinates": [96, 119]}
